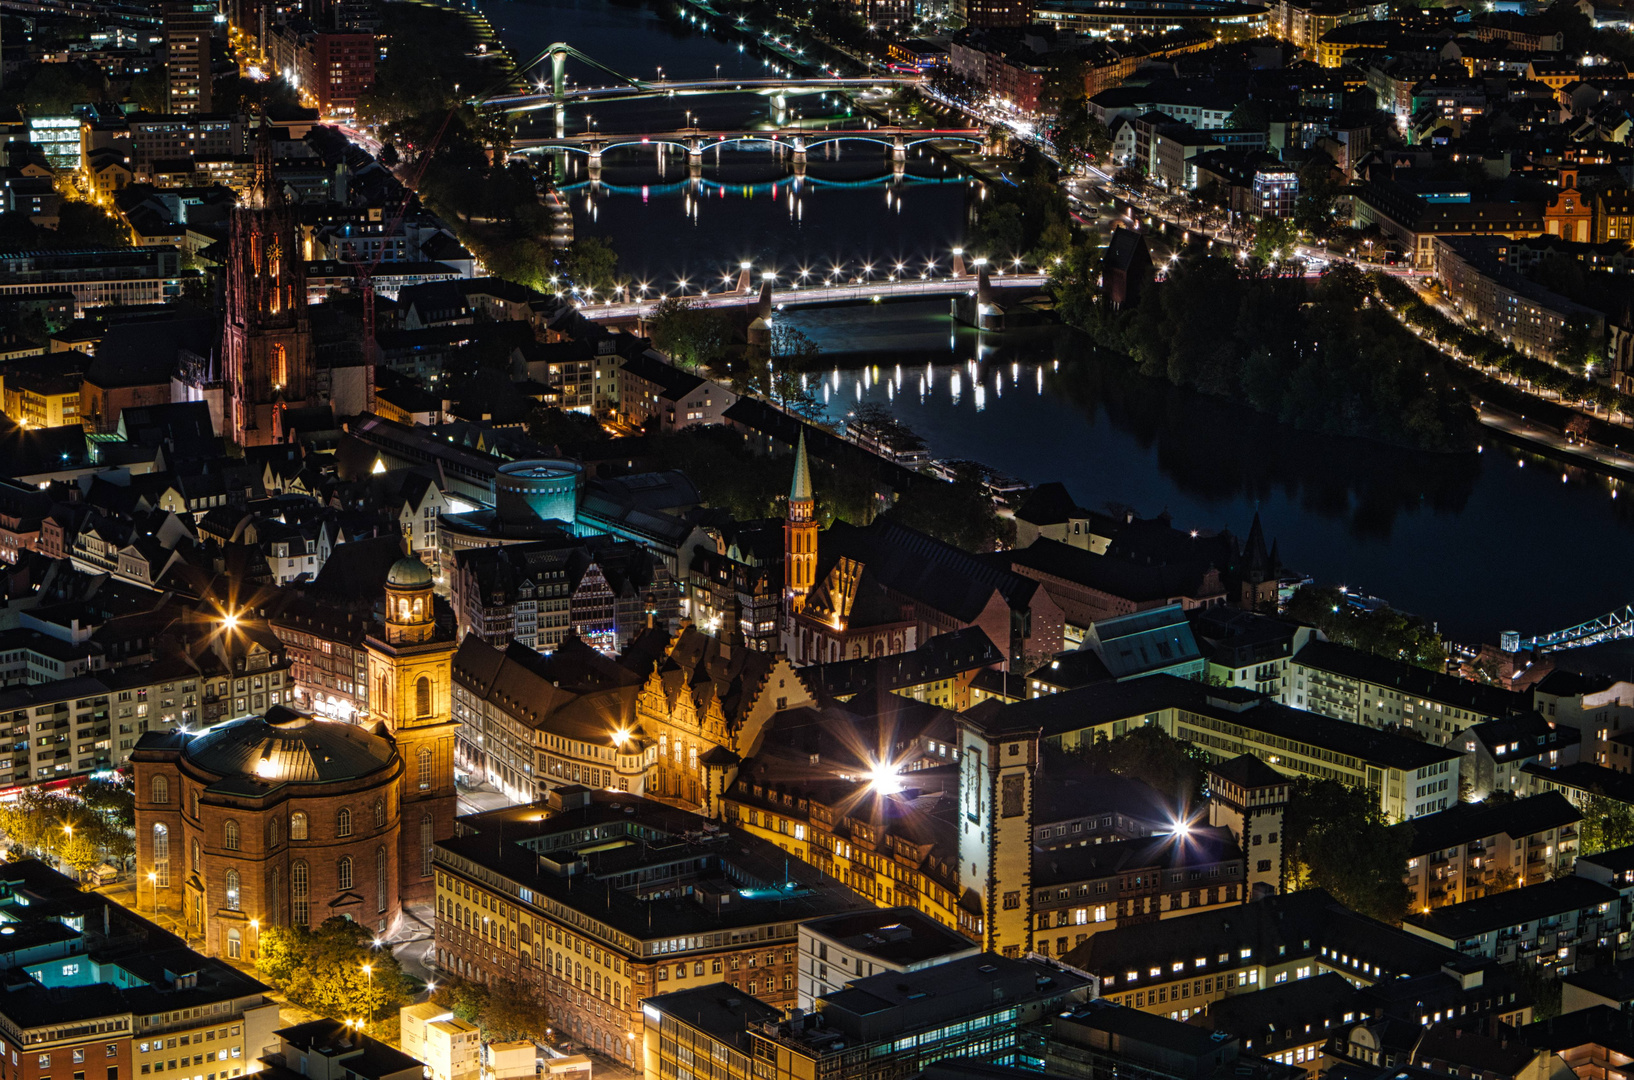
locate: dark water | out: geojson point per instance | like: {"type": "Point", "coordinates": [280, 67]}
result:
{"type": "Point", "coordinates": [1480, 543]}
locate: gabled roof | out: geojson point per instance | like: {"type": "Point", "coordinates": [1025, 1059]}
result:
{"type": "Point", "coordinates": [1465, 823]}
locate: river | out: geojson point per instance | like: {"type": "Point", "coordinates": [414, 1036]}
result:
{"type": "Point", "coordinates": [1480, 543]}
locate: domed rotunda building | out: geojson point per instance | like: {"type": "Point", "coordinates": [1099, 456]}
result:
{"type": "Point", "coordinates": [287, 819]}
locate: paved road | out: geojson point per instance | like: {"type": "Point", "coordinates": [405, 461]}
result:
{"type": "Point", "coordinates": [1521, 428]}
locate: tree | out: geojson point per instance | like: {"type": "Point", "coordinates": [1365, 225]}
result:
{"type": "Point", "coordinates": [80, 851]}
{"type": "Point", "coordinates": [1274, 239]}
{"type": "Point", "coordinates": [1335, 838]}
{"type": "Point", "coordinates": [333, 970]}
{"type": "Point", "coordinates": [690, 335]}
{"type": "Point", "coordinates": [85, 224]}
{"type": "Point", "coordinates": [1172, 766]}
{"type": "Point", "coordinates": [958, 512]}
{"type": "Point", "coordinates": [591, 263]}
{"type": "Point", "coordinates": [505, 1012]}
{"type": "Point", "coordinates": [555, 427]}
{"type": "Point", "coordinates": [1382, 631]}
{"type": "Point", "coordinates": [1607, 823]}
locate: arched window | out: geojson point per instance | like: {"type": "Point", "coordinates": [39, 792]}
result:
{"type": "Point", "coordinates": [343, 873]}
{"type": "Point", "coordinates": [297, 826]}
{"type": "Point", "coordinates": [419, 612]}
{"type": "Point", "coordinates": [343, 822]}
{"type": "Point", "coordinates": [380, 879]}
{"type": "Point", "coordinates": [422, 696]}
{"type": "Point", "coordinates": [300, 908]}
{"type": "Point", "coordinates": [232, 890]}
{"type": "Point", "coordinates": [425, 845]}
{"type": "Point", "coordinates": [235, 944]}
{"type": "Point", "coordinates": [229, 839]}
{"type": "Point", "coordinates": [161, 789]}
{"type": "Point", "coordinates": [280, 358]}
{"type": "Point", "coordinates": [195, 806]}
{"type": "Point", "coordinates": [161, 856]}
{"type": "Point", "coordinates": [274, 833]}
{"type": "Point", "coordinates": [402, 611]}
{"type": "Point", "coordinates": [425, 768]}
{"type": "Point", "coordinates": [275, 900]}
{"type": "Point", "coordinates": [195, 857]}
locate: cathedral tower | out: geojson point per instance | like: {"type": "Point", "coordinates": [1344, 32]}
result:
{"type": "Point", "coordinates": [410, 684]}
{"type": "Point", "coordinates": [799, 535]}
{"type": "Point", "coordinates": [267, 336]}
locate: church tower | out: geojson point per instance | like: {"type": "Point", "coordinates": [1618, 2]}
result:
{"type": "Point", "coordinates": [411, 667]}
{"type": "Point", "coordinates": [799, 535]}
{"type": "Point", "coordinates": [267, 336]}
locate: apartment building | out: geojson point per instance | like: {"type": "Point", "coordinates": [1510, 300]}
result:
{"type": "Point", "coordinates": [1352, 685]}
{"type": "Point", "coordinates": [1182, 967]}
{"type": "Point", "coordinates": [1549, 924]}
{"type": "Point", "coordinates": [1473, 850]}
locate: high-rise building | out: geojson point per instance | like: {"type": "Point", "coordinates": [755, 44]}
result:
{"type": "Point", "coordinates": [268, 335]}
{"type": "Point", "coordinates": [188, 25]}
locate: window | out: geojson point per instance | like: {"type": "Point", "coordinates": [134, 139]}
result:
{"type": "Point", "coordinates": [232, 890]}
{"type": "Point", "coordinates": [273, 833]}
{"type": "Point", "coordinates": [422, 694]}
{"type": "Point", "coordinates": [379, 813]}
{"type": "Point", "coordinates": [230, 836]}
{"type": "Point", "coordinates": [425, 845]}
{"type": "Point", "coordinates": [343, 872]}
{"type": "Point", "coordinates": [343, 822]}
{"type": "Point", "coordinates": [297, 826]}
{"type": "Point", "coordinates": [161, 789]}
{"type": "Point", "coordinates": [299, 902]}
{"type": "Point", "coordinates": [161, 858]}
{"type": "Point", "coordinates": [380, 881]}
{"type": "Point", "coordinates": [425, 768]}
{"type": "Point", "coordinates": [195, 856]}
{"type": "Point", "coordinates": [235, 944]}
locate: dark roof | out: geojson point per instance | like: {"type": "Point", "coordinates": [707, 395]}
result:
{"type": "Point", "coordinates": [1049, 504]}
{"type": "Point", "coordinates": [1123, 578]}
{"type": "Point", "coordinates": [1456, 922]}
{"type": "Point", "coordinates": [942, 657]}
{"type": "Point", "coordinates": [1204, 846]}
{"type": "Point", "coordinates": [919, 566]}
{"type": "Point", "coordinates": [719, 1010]}
{"type": "Point", "coordinates": [1421, 682]}
{"type": "Point", "coordinates": [1617, 860]}
{"type": "Point", "coordinates": [1615, 982]}
{"type": "Point", "coordinates": [901, 936]}
{"type": "Point", "coordinates": [287, 747]}
{"type": "Point", "coordinates": [333, 1039]}
{"type": "Point", "coordinates": [1466, 822]}
{"type": "Point", "coordinates": [1288, 1014]}
{"type": "Point", "coordinates": [1599, 1026]}
{"type": "Point", "coordinates": [1248, 772]}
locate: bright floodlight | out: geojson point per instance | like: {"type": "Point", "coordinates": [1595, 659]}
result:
{"type": "Point", "coordinates": [1182, 829]}
{"type": "Point", "coordinates": [230, 621]}
{"type": "Point", "coordinates": [768, 275]}
{"type": "Point", "coordinates": [884, 779]}
{"type": "Point", "coordinates": [743, 266]}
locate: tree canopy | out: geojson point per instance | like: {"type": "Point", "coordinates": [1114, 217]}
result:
{"type": "Point", "coordinates": [1335, 838]}
{"type": "Point", "coordinates": [1174, 767]}
{"type": "Point", "coordinates": [958, 512]}
{"type": "Point", "coordinates": [691, 335]}
{"type": "Point", "coordinates": [334, 970]}
{"type": "Point", "coordinates": [505, 1011]}
{"type": "Point", "coordinates": [1383, 631]}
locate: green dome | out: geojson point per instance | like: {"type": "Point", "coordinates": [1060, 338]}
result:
{"type": "Point", "coordinates": [408, 573]}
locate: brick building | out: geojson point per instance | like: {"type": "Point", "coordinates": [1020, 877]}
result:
{"type": "Point", "coordinates": [283, 819]}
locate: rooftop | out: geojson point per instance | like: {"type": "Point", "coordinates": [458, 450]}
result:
{"type": "Point", "coordinates": [901, 937]}
{"type": "Point", "coordinates": [1456, 922]}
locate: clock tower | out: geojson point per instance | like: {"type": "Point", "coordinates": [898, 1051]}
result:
{"type": "Point", "coordinates": [410, 684]}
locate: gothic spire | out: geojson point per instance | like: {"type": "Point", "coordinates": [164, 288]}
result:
{"type": "Point", "coordinates": [800, 490]}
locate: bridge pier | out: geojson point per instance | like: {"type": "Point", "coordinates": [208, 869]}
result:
{"type": "Point", "coordinates": [799, 155]}
{"type": "Point", "coordinates": [561, 120]}
{"type": "Point", "coordinates": [595, 161]}
{"type": "Point", "coordinates": [695, 158]}
{"type": "Point", "coordinates": [899, 149]}
{"type": "Point", "coordinates": [958, 262]}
